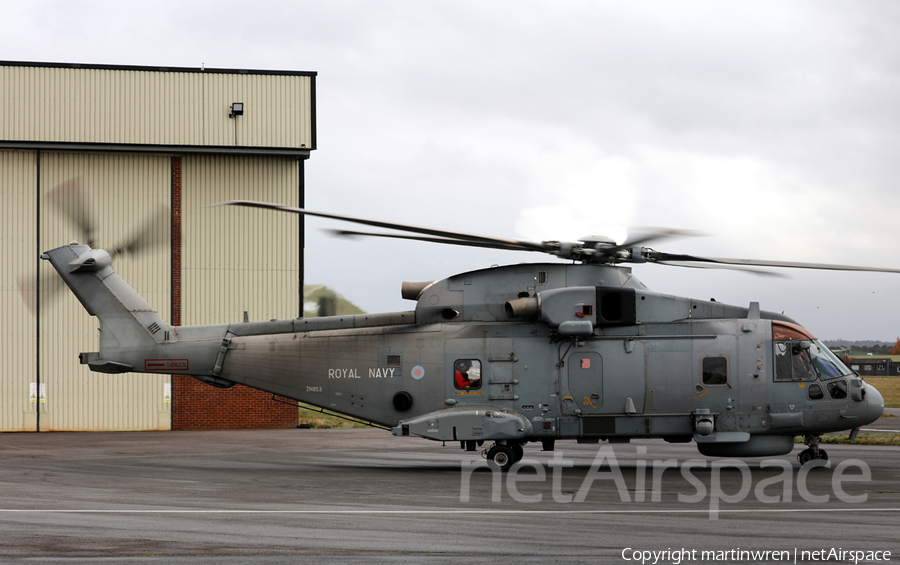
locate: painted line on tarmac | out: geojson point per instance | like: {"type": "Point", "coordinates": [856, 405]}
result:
{"type": "Point", "coordinates": [662, 511]}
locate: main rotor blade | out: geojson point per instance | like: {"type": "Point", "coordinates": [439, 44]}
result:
{"type": "Point", "coordinates": [659, 257]}
{"type": "Point", "coordinates": [446, 241]}
{"type": "Point", "coordinates": [484, 240]}
{"type": "Point", "coordinates": [690, 265]}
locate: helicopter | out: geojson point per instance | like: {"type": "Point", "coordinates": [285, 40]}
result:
{"type": "Point", "coordinates": [533, 352]}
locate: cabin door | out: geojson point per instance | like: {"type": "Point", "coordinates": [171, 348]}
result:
{"type": "Point", "coordinates": [715, 379]}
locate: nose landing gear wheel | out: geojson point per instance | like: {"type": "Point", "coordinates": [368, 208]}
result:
{"type": "Point", "coordinates": [812, 452]}
{"type": "Point", "coordinates": [808, 455]}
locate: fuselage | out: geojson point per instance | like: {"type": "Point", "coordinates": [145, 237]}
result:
{"type": "Point", "coordinates": [532, 352]}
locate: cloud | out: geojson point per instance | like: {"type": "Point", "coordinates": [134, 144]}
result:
{"type": "Point", "coordinates": [772, 126]}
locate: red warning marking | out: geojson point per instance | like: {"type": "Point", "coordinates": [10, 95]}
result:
{"type": "Point", "coordinates": [165, 364]}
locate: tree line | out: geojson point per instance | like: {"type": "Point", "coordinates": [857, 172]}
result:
{"type": "Point", "coordinates": [863, 347]}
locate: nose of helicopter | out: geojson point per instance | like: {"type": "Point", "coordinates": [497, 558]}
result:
{"type": "Point", "coordinates": [875, 402]}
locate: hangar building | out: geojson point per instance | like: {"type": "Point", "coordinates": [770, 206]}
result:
{"type": "Point", "coordinates": [100, 153]}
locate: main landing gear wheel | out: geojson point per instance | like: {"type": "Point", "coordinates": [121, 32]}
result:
{"type": "Point", "coordinates": [502, 456]}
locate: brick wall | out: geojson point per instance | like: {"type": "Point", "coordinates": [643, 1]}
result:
{"type": "Point", "coordinates": [198, 406]}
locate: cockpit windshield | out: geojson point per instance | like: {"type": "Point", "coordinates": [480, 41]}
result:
{"type": "Point", "coordinates": [826, 362]}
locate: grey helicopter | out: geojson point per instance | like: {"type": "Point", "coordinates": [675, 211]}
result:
{"type": "Point", "coordinates": [534, 352]}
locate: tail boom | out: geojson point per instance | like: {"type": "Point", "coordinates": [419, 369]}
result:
{"type": "Point", "coordinates": [133, 336]}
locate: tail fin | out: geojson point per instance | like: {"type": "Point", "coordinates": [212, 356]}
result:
{"type": "Point", "coordinates": [130, 330]}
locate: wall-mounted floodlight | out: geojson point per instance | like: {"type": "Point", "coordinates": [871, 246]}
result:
{"type": "Point", "coordinates": [237, 109]}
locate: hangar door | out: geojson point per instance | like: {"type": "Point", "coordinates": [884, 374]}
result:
{"type": "Point", "coordinates": [18, 335]}
{"type": "Point", "coordinates": [113, 195]}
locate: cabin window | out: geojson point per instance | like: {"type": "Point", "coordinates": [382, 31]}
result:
{"type": "Point", "coordinates": [467, 374]}
{"type": "Point", "coordinates": [715, 371]}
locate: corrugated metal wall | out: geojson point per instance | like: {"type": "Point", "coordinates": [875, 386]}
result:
{"type": "Point", "coordinates": [277, 110]}
{"type": "Point", "coordinates": [239, 259]}
{"type": "Point", "coordinates": [131, 110]}
{"type": "Point", "coordinates": [120, 192]}
{"type": "Point", "coordinates": [223, 273]}
{"type": "Point", "coordinates": [18, 237]}
{"type": "Point", "coordinates": [122, 106]}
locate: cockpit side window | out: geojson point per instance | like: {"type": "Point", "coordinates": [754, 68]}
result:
{"type": "Point", "coordinates": [467, 374]}
{"type": "Point", "coordinates": [792, 362]}
{"type": "Point", "coordinates": [783, 370]}
{"type": "Point", "coordinates": [715, 371]}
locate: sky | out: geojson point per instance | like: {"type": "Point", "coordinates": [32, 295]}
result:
{"type": "Point", "coordinates": [771, 127]}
